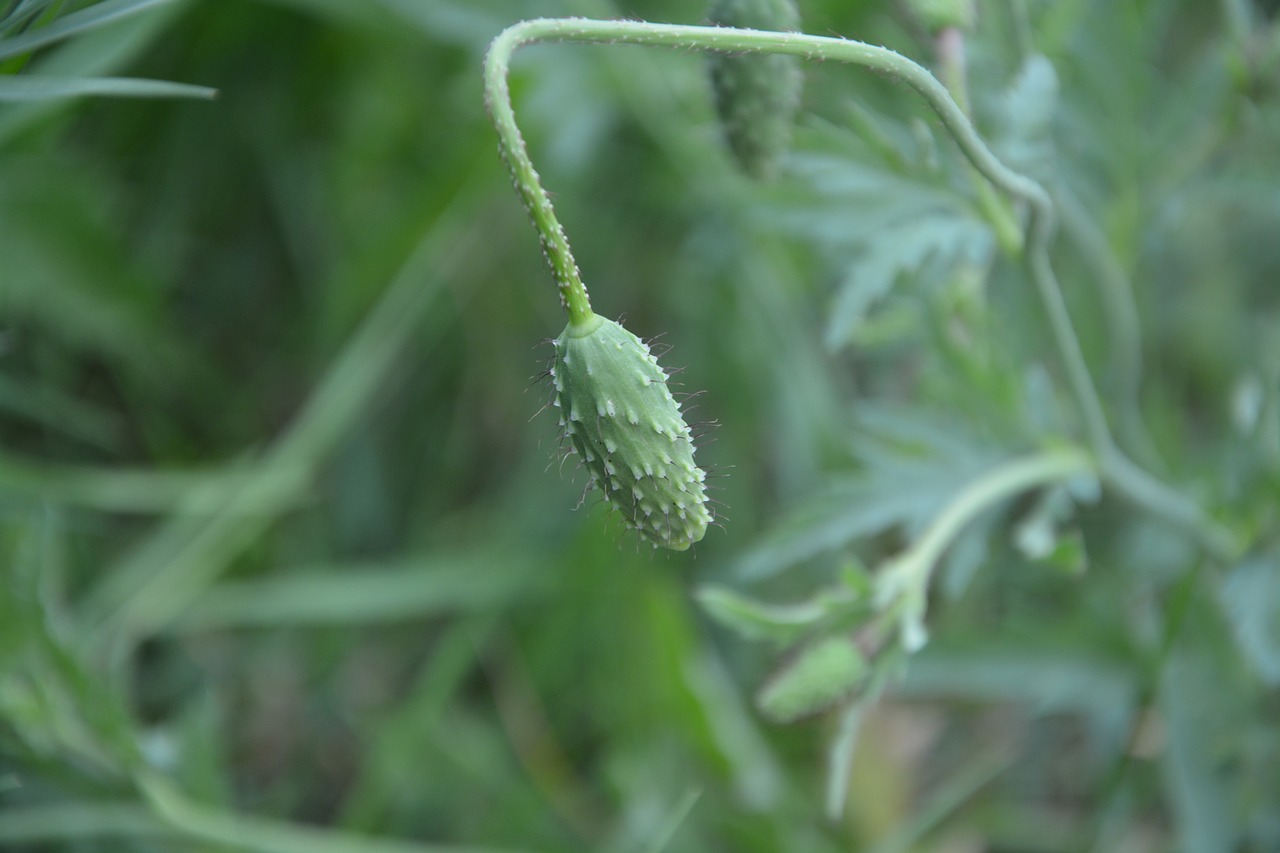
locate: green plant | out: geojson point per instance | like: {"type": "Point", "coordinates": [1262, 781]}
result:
{"type": "Point", "coordinates": [887, 610]}
{"type": "Point", "coordinates": [283, 568]}
{"type": "Point", "coordinates": [30, 25]}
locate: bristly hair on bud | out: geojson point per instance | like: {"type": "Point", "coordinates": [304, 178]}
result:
{"type": "Point", "coordinates": [756, 96]}
{"type": "Point", "coordinates": [622, 420]}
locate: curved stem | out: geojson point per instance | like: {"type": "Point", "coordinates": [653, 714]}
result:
{"type": "Point", "coordinates": [949, 48]}
{"type": "Point", "coordinates": [907, 578]}
{"type": "Point", "coordinates": [1124, 332]}
{"type": "Point", "coordinates": [1128, 479]}
{"type": "Point", "coordinates": [555, 245]}
{"type": "Point", "coordinates": [730, 39]}
{"type": "Point", "coordinates": [734, 40]}
{"type": "Point", "coordinates": [998, 484]}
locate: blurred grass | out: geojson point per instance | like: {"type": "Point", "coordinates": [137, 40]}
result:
{"type": "Point", "coordinates": [288, 563]}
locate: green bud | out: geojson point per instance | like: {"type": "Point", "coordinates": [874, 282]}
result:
{"type": "Point", "coordinates": [620, 416]}
{"type": "Point", "coordinates": [756, 96]}
{"type": "Point", "coordinates": [821, 675]}
{"type": "Point", "coordinates": [937, 15]}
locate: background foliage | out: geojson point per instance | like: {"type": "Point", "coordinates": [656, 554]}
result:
{"type": "Point", "coordinates": [285, 566]}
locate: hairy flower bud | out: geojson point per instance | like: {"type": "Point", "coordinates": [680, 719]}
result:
{"type": "Point", "coordinates": [622, 420]}
{"type": "Point", "coordinates": [756, 96]}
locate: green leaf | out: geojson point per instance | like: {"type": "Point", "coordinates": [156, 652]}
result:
{"type": "Point", "coordinates": [1024, 120]}
{"type": "Point", "coordinates": [55, 706]}
{"type": "Point", "coordinates": [24, 11]}
{"type": "Point", "coordinates": [932, 242]}
{"type": "Point", "coordinates": [1202, 796]}
{"type": "Point", "coordinates": [968, 553]}
{"type": "Point", "coordinates": [1103, 694]}
{"type": "Point", "coordinates": [40, 88]}
{"type": "Point", "coordinates": [369, 594]}
{"type": "Point", "coordinates": [86, 19]}
{"type": "Point", "coordinates": [102, 52]}
{"type": "Point", "coordinates": [913, 464]}
{"type": "Point", "coordinates": [1251, 596]}
{"type": "Point", "coordinates": [56, 410]}
{"type": "Point", "coordinates": [878, 221]}
{"type": "Point", "coordinates": [756, 620]}
{"type": "Point", "coordinates": [81, 820]}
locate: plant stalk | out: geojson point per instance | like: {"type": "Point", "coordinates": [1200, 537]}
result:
{"type": "Point", "coordinates": [1134, 483]}
{"type": "Point", "coordinates": [907, 577]}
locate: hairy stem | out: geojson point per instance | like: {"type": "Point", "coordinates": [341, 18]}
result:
{"type": "Point", "coordinates": [555, 245]}
{"type": "Point", "coordinates": [1128, 479]}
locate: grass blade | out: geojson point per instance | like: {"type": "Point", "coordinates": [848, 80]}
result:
{"type": "Point", "coordinates": [39, 88]}
{"type": "Point", "coordinates": [77, 22]}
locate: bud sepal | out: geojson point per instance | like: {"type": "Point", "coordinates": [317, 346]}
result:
{"type": "Point", "coordinates": [622, 420]}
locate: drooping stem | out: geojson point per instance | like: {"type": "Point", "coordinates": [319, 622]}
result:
{"type": "Point", "coordinates": [949, 47]}
{"type": "Point", "coordinates": [1128, 479]}
{"type": "Point", "coordinates": [555, 245]}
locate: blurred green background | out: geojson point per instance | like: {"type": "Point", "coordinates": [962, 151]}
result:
{"type": "Point", "coordinates": [289, 560]}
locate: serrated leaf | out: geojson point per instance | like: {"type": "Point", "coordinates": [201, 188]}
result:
{"type": "Point", "coordinates": [912, 465]}
{"type": "Point", "coordinates": [904, 248]}
{"type": "Point", "coordinates": [878, 221]}
{"type": "Point", "coordinates": [1024, 124]}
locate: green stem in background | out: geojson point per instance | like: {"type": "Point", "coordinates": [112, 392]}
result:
{"type": "Point", "coordinates": [1129, 480]}
{"type": "Point", "coordinates": [906, 578]}
{"type": "Point", "coordinates": [1113, 785]}
{"type": "Point", "coordinates": [1022, 27]}
{"type": "Point", "coordinates": [1124, 332]}
{"type": "Point", "coordinates": [949, 48]}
